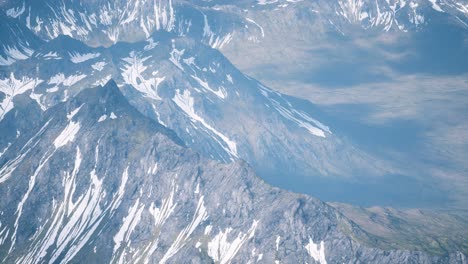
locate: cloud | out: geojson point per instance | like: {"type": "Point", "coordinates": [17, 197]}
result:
{"type": "Point", "coordinates": [436, 105]}
{"type": "Point", "coordinates": [415, 97]}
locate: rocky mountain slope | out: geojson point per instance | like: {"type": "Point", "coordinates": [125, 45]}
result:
{"type": "Point", "coordinates": [96, 181]}
{"type": "Point", "coordinates": [215, 22]}
{"type": "Point", "coordinates": [435, 231]}
{"type": "Point", "coordinates": [194, 90]}
{"type": "Point", "coordinates": [158, 162]}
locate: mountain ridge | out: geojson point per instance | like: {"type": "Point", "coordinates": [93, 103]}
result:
{"type": "Point", "coordinates": [173, 82]}
{"type": "Point", "coordinates": [104, 199]}
{"type": "Point", "coordinates": [148, 166]}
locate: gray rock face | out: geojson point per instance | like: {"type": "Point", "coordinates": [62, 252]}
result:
{"type": "Point", "coordinates": [95, 181]}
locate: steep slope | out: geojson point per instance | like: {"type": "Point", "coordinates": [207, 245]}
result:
{"type": "Point", "coordinates": [213, 107]}
{"type": "Point", "coordinates": [435, 231]}
{"type": "Point", "coordinates": [215, 22]}
{"type": "Point", "coordinates": [296, 47]}
{"type": "Point", "coordinates": [96, 181]}
{"type": "Point", "coordinates": [17, 42]}
{"type": "Point", "coordinates": [387, 90]}
{"type": "Point", "coordinates": [107, 22]}
{"type": "Point", "coordinates": [87, 178]}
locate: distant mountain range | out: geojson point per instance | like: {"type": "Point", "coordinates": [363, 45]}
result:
{"type": "Point", "coordinates": [216, 22]}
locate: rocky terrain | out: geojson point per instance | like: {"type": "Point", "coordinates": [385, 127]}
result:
{"type": "Point", "coordinates": [128, 136]}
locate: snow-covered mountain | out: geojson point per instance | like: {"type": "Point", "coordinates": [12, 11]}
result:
{"type": "Point", "coordinates": [380, 14]}
{"type": "Point", "coordinates": [172, 73]}
{"type": "Point", "coordinates": [107, 22]}
{"type": "Point", "coordinates": [127, 136]}
{"type": "Point", "coordinates": [216, 22]}
{"type": "Point", "coordinates": [17, 42]}
{"type": "Point", "coordinates": [192, 89]}
{"type": "Point", "coordinates": [93, 180]}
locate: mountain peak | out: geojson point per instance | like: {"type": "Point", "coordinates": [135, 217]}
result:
{"type": "Point", "coordinates": [107, 96]}
{"type": "Point", "coordinates": [106, 103]}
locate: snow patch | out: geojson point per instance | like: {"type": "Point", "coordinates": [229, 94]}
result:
{"type": "Point", "coordinates": [200, 216]}
{"type": "Point", "coordinates": [132, 73]}
{"type": "Point", "coordinates": [99, 66]}
{"type": "Point", "coordinates": [160, 216]}
{"type": "Point", "coordinates": [221, 93]}
{"type": "Point", "coordinates": [298, 117]}
{"type": "Point", "coordinates": [4, 151]}
{"type": "Point", "coordinates": [102, 118]}
{"type": "Point", "coordinates": [260, 257]}
{"type": "Point", "coordinates": [76, 57]}
{"type": "Point", "coordinates": [176, 56]}
{"type": "Point", "coordinates": [74, 112]}
{"type": "Point", "coordinates": [73, 222]}
{"type": "Point", "coordinates": [52, 90]}
{"type": "Point", "coordinates": [6, 62]}
{"type": "Point", "coordinates": [229, 78]}
{"type": "Point", "coordinates": [316, 251]}
{"type": "Point", "coordinates": [12, 87]}
{"type": "Point", "coordinates": [51, 55]}
{"type": "Point", "coordinates": [151, 44]}
{"type": "Point", "coordinates": [256, 24]}
{"type": "Point", "coordinates": [186, 103]}
{"type": "Point", "coordinates": [60, 79]}
{"type": "Point", "coordinates": [10, 166]}
{"type": "Point", "coordinates": [436, 6]}
{"type": "Point", "coordinates": [208, 229]}
{"type": "Point", "coordinates": [129, 223]}
{"type": "Point", "coordinates": [37, 97]}
{"type": "Point", "coordinates": [16, 11]}
{"type": "Point", "coordinates": [266, 2]}
{"type": "Point", "coordinates": [67, 135]}
{"type": "Point", "coordinates": [103, 81]}
{"type": "Point", "coordinates": [214, 40]}
{"type": "Point", "coordinates": [223, 251]}
{"type": "Point", "coordinates": [14, 53]}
